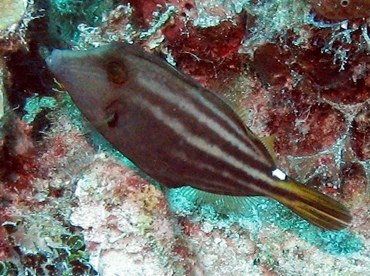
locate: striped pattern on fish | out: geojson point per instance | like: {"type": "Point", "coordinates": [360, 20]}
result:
{"type": "Point", "coordinates": [178, 132]}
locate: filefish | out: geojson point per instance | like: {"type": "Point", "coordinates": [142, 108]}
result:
{"type": "Point", "coordinates": [178, 132]}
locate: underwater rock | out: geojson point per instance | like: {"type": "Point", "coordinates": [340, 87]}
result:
{"type": "Point", "coordinates": [270, 66]}
{"type": "Point", "coordinates": [360, 131]}
{"type": "Point", "coordinates": [11, 12]}
{"type": "Point", "coordinates": [323, 67]}
{"type": "Point", "coordinates": [208, 53]}
{"type": "Point", "coordinates": [342, 9]}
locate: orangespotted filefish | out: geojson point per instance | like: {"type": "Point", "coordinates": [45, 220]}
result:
{"type": "Point", "coordinates": [178, 132]}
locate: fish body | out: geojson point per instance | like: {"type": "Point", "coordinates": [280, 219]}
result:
{"type": "Point", "coordinates": [178, 132]}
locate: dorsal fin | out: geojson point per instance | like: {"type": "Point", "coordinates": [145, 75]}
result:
{"type": "Point", "coordinates": [268, 142]}
{"type": "Point", "coordinates": [233, 100]}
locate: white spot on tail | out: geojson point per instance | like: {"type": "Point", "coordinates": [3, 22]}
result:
{"type": "Point", "coordinates": [279, 174]}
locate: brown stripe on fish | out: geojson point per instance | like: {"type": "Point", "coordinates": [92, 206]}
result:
{"type": "Point", "coordinates": [205, 119]}
{"type": "Point", "coordinates": [201, 106]}
{"type": "Point", "coordinates": [86, 76]}
{"type": "Point", "coordinates": [207, 151]}
{"type": "Point", "coordinates": [176, 106]}
{"type": "Point", "coordinates": [216, 131]}
{"type": "Point", "coordinates": [232, 120]}
{"type": "Point", "coordinates": [244, 173]}
{"type": "Point", "coordinates": [221, 181]}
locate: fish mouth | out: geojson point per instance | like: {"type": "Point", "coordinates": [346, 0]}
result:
{"type": "Point", "coordinates": [54, 60]}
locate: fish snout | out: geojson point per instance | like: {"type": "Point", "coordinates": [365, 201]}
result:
{"type": "Point", "coordinates": [54, 60]}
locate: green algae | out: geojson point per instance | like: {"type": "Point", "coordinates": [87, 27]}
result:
{"type": "Point", "coordinates": [36, 104]}
{"type": "Point", "coordinates": [66, 15]}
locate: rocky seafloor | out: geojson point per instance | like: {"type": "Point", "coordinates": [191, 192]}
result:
{"type": "Point", "coordinates": [73, 205]}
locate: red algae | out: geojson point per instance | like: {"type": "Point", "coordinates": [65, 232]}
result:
{"type": "Point", "coordinates": [353, 180]}
{"type": "Point", "coordinates": [323, 126]}
{"type": "Point", "coordinates": [360, 139]}
{"type": "Point", "coordinates": [311, 90]}
{"type": "Point", "coordinates": [304, 128]}
{"type": "Point", "coordinates": [205, 53]}
{"type": "Point", "coordinates": [352, 94]}
{"type": "Point", "coordinates": [143, 10]}
{"type": "Point", "coordinates": [18, 165]}
{"type": "Point", "coordinates": [269, 64]}
{"type": "Point", "coordinates": [342, 9]}
{"type": "Point", "coordinates": [337, 85]}
{"type": "Point", "coordinates": [320, 68]}
{"type": "Point", "coordinates": [186, 259]}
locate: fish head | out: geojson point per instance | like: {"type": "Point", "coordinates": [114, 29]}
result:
{"type": "Point", "coordinates": [95, 79]}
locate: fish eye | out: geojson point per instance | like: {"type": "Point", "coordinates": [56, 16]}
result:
{"type": "Point", "coordinates": [116, 72]}
{"type": "Point", "coordinates": [344, 3]}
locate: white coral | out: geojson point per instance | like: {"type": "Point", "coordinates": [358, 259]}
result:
{"type": "Point", "coordinates": [11, 12]}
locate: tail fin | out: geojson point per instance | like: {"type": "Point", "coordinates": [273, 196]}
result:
{"type": "Point", "coordinates": [312, 205]}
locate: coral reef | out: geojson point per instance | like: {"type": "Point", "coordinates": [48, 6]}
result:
{"type": "Point", "coordinates": [71, 204]}
{"type": "Point", "coordinates": [341, 9]}
{"type": "Point", "coordinates": [11, 12]}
